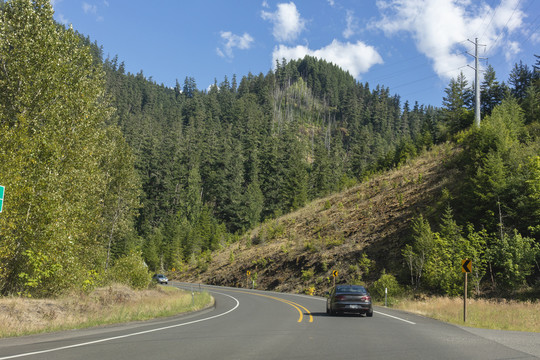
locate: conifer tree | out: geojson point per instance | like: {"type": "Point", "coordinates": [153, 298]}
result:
{"type": "Point", "coordinates": [492, 93]}
{"type": "Point", "coordinates": [457, 104]}
{"type": "Point", "coordinates": [321, 173]}
{"type": "Point", "coordinates": [520, 79]}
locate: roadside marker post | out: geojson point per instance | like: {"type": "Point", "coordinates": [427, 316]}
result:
{"type": "Point", "coordinates": [465, 300]}
{"type": "Point", "coordinates": [466, 267]}
{"type": "Point", "coordinates": [2, 188]}
{"type": "Point", "coordinates": [335, 274]}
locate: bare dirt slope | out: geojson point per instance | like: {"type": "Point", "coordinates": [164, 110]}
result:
{"type": "Point", "coordinates": [298, 252]}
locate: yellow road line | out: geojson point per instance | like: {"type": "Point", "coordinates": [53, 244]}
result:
{"type": "Point", "coordinates": [292, 303]}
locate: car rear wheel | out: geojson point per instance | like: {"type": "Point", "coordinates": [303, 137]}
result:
{"type": "Point", "coordinates": [331, 312]}
{"type": "Point", "coordinates": [369, 314]}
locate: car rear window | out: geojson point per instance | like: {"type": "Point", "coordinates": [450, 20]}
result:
{"type": "Point", "coordinates": [351, 289]}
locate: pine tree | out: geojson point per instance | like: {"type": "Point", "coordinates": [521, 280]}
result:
{"type": "Point", "coordinates": [491, 92]}
{"type": "Point", "coordinates": [531, 103]}
{"type": "Point", "coordinates": [457, 104]}
{"type": "Point", "coordinates": [271, 177]}
{"type": "Point", "coordinates": [321, 180]}
{"type": "Point", "coordinates": [293, 192]}
{"type": "Point", "coordinates": [520, 79]}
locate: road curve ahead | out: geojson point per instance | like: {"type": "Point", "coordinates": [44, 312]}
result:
{"type": "Point", "coordinates": [248, 324]}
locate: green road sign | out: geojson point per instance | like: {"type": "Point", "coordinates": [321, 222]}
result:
{"type": "Point", "coordinates": [1, 197]}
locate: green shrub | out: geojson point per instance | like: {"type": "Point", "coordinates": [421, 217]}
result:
{"type": "Point", "coordinates": [262, 262]}
{"type": "Point", "coordinates": [365, 264]}
{"type": "Point", "coordinates": [131, 270]}
{"type": "Point", "coordinates": [309, 246]}
{"type": "Point", "coordinates": [333, 241]}
{"type": "Point", "coordinates": [307, 274]}
{"type": "Point", "coordinates": [327, 205]}
{"type": "Point", "coordinates": [324, 266]}
{"type": "Point", "coordinates": [386, 281]}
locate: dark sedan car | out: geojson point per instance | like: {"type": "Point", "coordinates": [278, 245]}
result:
{"type": "Point", "coordinates": [349, 299]}
{"type": "Point", "coordinates": [160, 279]}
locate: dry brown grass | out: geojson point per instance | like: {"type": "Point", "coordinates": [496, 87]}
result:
{"type": "Point", "coordinates": [113, 304]}
{"type": "Point", "coordinates": [488, 314]}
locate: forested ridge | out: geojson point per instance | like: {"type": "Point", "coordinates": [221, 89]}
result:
{"type": "Point", "coordinates": [106, 169]}
{"type": "Point", "coordinates": [239, 153]}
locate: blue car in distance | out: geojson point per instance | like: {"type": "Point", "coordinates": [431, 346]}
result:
{"type": "Point", "coordinates": [160, 279]}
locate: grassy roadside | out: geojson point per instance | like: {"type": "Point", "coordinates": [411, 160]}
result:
{"type": "Point", "coordinates": [109, 305]}
{"type": "Point", "coordinates": [487, 314]}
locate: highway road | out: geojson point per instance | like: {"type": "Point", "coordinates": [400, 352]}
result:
{"type": "Point", "coordinates": [249, 324]}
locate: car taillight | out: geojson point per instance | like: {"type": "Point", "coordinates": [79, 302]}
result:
{"type": "Point", "coordinates": [365, 298]}
{"type": "Point", "coordinates": [340, 297]}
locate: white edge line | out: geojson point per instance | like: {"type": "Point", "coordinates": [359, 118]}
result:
{"type": "Point", "coordinates": [393, 317]}
{"type": "Point", "coordinates": [314, 298]}
{"type": "Point", "coordinates": [378, 312]}
{"type": "Point", "coordinates": [125, 336]}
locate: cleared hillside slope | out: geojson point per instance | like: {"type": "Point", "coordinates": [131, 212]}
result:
{"type": "Point", "coordinates": [300, 250]}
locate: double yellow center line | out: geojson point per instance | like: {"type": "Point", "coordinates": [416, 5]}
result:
{"type": "Point", "coordinates": [297, 306]}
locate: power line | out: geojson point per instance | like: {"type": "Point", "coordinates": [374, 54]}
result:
{"type": "Point", "coordinates": [427, 77]}
{"type": "Point", "coordinates": [530, 26]}
{"type": "Point", "coordinates": [490, 21]}
{"type": "Point", "coordinates": [504, 27]}
{"type": "Point", "coordinates": [533, 32]}
{"type": "Point", "coordinates": [405, 70]}
{"type": "Point", "coordinates": [401, 62]}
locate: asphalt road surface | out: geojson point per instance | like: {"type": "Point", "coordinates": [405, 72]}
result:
{"type": "Point", "coordinates": [247, 324]}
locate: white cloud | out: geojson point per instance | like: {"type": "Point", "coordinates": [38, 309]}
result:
{"type": "Point", "coordinates": [440, 28]}
{"type": "Point", "coordinates": [265, 4]}
{"type": "Point", "coordinates": [59, 16]}
{"type": "Point", "coordinates": [92, 9]}
{"type": "Point", "coordinates": [355, 58]}
{"type": "Point", "coordinates": [231, 41]}
{"type": "Point", "coordinates": [89, 9]}
{"type": "Point", "coordinates": [352, 25]}
{"type": "Point", "coordinates": [62, 19]}
{"type": "Point", "coordinates": [511, 49]}
{"type": "Point", "coordinates": [288, 24]}
{"type": "Point", "coordinates": [331, 2]}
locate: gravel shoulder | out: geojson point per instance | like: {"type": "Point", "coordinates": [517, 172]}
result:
{"type": "Point", "coordinates": [527, 342]}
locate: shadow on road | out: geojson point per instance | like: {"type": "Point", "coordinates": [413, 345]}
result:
{"type": "Point", "coordinates": [324, 314]}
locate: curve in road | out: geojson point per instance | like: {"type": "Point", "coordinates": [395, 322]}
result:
{"type": "Point", "coordinates": [251, 324]}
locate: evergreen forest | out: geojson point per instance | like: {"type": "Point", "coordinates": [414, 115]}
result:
{"type": "Point", "coordinates": [106, 170]}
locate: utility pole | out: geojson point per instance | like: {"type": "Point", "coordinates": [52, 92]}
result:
{"type": "Point", "coordinates": [476, 83]}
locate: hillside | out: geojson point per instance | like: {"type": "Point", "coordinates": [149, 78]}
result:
{"type": "Point", "coordinates": [107, 172]}
{"type": "Point", "coordinates": [301, 249]}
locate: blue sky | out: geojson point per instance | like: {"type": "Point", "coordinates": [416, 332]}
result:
{"type": "Point", "coordinates": [414, 47]}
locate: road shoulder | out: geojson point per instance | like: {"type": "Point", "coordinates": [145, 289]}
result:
{"type": "Point", "coordinates": [526, 342]}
